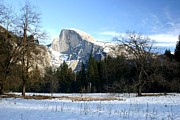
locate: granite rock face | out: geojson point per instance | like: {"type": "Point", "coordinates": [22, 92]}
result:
{"type": "Point", "coordinates": [41, 60]}
{"type": "Point", "coordinates": [75, 46]}
{"type": "Point", "coordinates": [55, 44]}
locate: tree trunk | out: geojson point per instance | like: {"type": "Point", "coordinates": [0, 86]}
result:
{"type": "Point", "coordinates": [23, 88]}
{"type": "Point", "coordinates": [2, 89]}
{"type": "Point", "coordinates": [139, 90]}
{"type": "Point", "coordinates": [24, 72]}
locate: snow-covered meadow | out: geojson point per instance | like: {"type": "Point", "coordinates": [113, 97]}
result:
{"type": "Point", "coordinates": [124, 108]}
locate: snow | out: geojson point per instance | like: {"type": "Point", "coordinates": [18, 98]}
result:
{"type": "Point", "coordinates": [107, 46]}
{"type": "Point", "coordinates": [84, 35]}
{"type": "Point", "coordinates": [89, 38]}
{"type": "Point", "coordinates": [57, 58]}
{"type": "Point", "coordinates": [129, 108]}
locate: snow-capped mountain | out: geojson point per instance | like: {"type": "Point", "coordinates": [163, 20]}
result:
{"type": "Point", "coordinates": [74, 46]}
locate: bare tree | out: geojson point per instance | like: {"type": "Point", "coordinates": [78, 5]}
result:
{"type": "Point", "coordinates": [2, 12]}
{"type": "Point", "coordinates": [18, 41]}
{"type": "Point", "coordinates": [29, 21]}
{"type": "Point", "coordinates": [9, 58]}
{"type": "Point", "coordinates": [139, 52]}
{"type": "Point", "coordinates": [9, 49]}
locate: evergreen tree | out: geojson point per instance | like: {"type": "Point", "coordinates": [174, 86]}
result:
{"type": "Point", "coordinates": [177, 57]}
{"type": "Point", "coordinates": [65, 77]}
{"type": "Point", "coordinates": [177, 50]}
{"type": "Point", "coordinates": [83, 78]}
{"type": "Point", "coordinates": [71, 80]}
{"type": "Point", "coordinates": [50, 82]}
{"type": "Point", "coordinates": [92, 74]}
{"type": "Point", "coordinates": [35, 82]}
{"type": "Point", "coordinates": [102, 75]}
{"type": "Point", "coordinates": [168, 54]}
{"type": "Point", "coordinates": [61, 74]}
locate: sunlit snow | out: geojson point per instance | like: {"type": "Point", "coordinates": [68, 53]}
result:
{"type": "Point", "coordinates": [128, 108]}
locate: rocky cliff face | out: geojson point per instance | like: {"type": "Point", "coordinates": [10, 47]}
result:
{"type": "Point", "coordinates": [75, 46]}
{"type": "Point", "coordinates": [55, 44]}
{"type": "Point", "coordinates": [43, 59]}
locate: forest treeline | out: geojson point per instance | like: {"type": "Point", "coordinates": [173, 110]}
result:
{"type": "Point", "coordinates": [114, 75]}
{"type": "Point", "coordinates": [138, 69]}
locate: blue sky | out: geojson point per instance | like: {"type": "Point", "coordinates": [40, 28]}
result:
{"type": "Point", "coordinates": [104, 19]}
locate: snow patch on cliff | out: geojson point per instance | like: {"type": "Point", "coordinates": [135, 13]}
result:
{"type": "Point", "coordinates": [84, 35]}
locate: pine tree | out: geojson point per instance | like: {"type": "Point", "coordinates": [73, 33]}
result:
{"type": "Point", "coordinates": [177, 57]}
{"type": "Point", "coordinates": [66, 78]}
{"type": "Point", "coordinates": [177, 50]}
{"type": "Point", "coordinates": [62, 74]}
{"type": "Point", "coordinates": [168, 54]}
{"type": "Point", "coordinates": [102, 75]}
{"type": "Point", "coordinates": [83, 77]}
{"type": "Point", "coordinates": [92, 74]}
{"type": "Point", "coordinates": [50, 83]}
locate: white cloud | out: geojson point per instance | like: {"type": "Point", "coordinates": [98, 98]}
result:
{"type": "Point", "coordinates": [161, 40]}
{"type": "Point", "coordinates": [165, 44]}
{"type": "Point", "coordinates": [165, 38]}
{"type": "Point", "coordinates": [166, 23]}
{"type": "Point", "coordinates": [164, 31]}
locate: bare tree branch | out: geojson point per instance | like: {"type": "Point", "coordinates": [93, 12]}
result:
{"type": "Point", "coordinates": [138, 49]}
